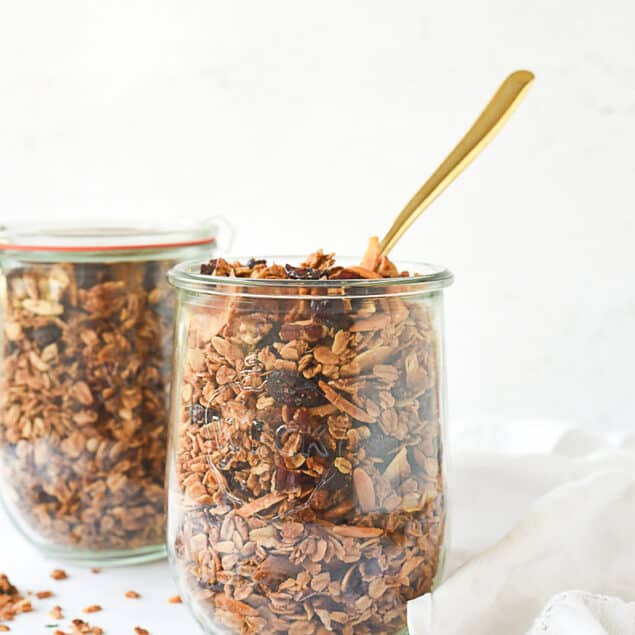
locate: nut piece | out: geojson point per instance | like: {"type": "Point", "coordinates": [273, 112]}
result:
{"type": "Point", "coordinates": [59, 574]}
{"type": "Point", "coordinates": [364, 490]}
{"type": "Point", "coordinates": [44, 595]}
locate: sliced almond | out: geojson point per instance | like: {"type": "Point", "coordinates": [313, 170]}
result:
{"type": "Point", "coordinates": [364, 490]}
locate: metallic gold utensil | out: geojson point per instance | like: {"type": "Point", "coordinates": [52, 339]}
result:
{"type": "Point", "coordinates": [496, 113]}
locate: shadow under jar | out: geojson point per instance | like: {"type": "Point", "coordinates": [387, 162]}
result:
{"type": "Point", "coordinates": [85, 373]}
{"type": "Point", "coordinates": [306, 480]}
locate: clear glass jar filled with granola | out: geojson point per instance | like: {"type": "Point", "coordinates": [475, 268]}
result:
{"type": "Point", "coordinates": [306, 475]}
{"type": "Point", "coordinates": [87, 325]}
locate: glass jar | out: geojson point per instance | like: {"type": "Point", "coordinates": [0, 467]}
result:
{"type": "Point", "coordinates": [306, 477]}
{"type": "Point", "coordinates": [85, 373]}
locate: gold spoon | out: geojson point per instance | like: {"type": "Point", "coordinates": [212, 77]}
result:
{"type": "Point", "coordinates": [496, 113]}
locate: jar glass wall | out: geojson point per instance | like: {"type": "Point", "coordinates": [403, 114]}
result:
{"type": "Point", "coordinates": [306, 475]}
{"type": "Point", "coordinates": [85, 371]}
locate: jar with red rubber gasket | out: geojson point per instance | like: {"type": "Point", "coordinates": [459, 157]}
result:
{"type": "Point", "coordinates": [86, 367]}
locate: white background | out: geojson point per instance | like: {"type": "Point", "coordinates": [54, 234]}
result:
{"type": "Point", "coordinates": [310, 124]}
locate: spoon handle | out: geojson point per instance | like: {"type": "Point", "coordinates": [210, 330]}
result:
{"type": "Point", "coordinates": [496, 113]}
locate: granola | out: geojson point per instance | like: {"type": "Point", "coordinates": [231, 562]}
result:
{"type": "Point", "coordinates": [308, 487]}
{"type": "Point", "coordinates": [85, 375]}
{"type": "Point", "coordinates": [12, 602]}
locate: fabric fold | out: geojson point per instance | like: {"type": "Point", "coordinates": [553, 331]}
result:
{"type": "Point", "coordinates": [578, 536]}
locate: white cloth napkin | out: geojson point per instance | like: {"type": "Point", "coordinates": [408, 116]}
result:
{"type": "Point", "coordinates": [573, 516]}
{"type": "Point", "coordinates": [585, 614]}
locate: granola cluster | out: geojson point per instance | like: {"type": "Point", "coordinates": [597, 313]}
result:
{"type": "Point", "coordinates": [85, 373]}
{"type": "Point", "coordinates": [12, 602]}
{"type": "Point", "coordinates": [309, 491]}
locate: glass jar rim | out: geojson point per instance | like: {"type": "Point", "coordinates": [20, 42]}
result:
{"type": "Point", "coordinates": [104, 238]}
{"type": "Point", "coordinates": [186, 276]}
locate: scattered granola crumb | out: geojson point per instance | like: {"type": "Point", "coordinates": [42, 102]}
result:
{"type": "Point", "coordinates": [175, 599]}
{"type": "Point", "coordinates": [93, 608]}
{"type": "Point", "coordinates": [95, 570]}
{"type": "Point", "coordinates": [43, 595]}
{"type": "Point", "coordinates": [59, 574]}
{"type": "Point", "coordinates": [141, 631]}
{"type": "Point", "coordinates": [132, 595]}
{"type": "Point", "coordinates": [56, 613]}
{"type": "Point", "coordinates": [12, 603]}
{"type": "Point", "coordinates": [4, 628]}
{"type": "Point", "coordinates": [84, 628]}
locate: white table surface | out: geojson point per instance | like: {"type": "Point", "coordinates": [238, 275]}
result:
{"type": "Point", "coordinates": [30, 571]}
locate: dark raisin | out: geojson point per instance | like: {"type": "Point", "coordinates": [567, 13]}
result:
{"type": "Point", "coordinates": [271, 337]}
{"type": "Point", "coordinates": [331, 313]}
{"type": "Point", "coordinates": [43, 497]}
{"type": "Point", "coordinates": [208, 268]}
{"type": "Point", "coordinates": [152, 275]}
{"type": "Point", "coordinates": [45, 335]}
{"type": "Point", "coordinates": [302, 273]}
{"type": "Point", "coordinates": [290, 389]}
{"type": "Point", "coordinates": [90, 275]}
{"type": "Point", "coordinates": [309, 332]}
{"type": "Point", "coordinates": [200, 416]}
{"type": "Point", "coordinates": [256, 429]}
{"type": "Point", "coordinates": [290, 480]}
{"type": "Point", "coordinates": [302, 420]}
{"type": "Point", "coordinates": [253, 262]}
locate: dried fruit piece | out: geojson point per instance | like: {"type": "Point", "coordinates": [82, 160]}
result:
{"type": "Point", "coordinates": [302, 273]}
{"type": "Point", "coordinates": [292, 389]}
{"type": "Point", "coordinates": [45, 335]}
